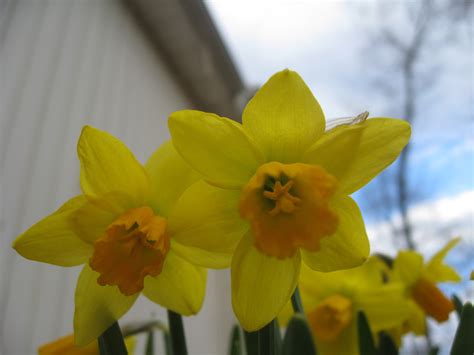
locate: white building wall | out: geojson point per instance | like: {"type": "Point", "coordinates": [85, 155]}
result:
{"type": "Point", "coordinates": [64, 64]}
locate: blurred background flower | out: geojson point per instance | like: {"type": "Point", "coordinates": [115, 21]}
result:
{"type": "Point", "coordinates": [124, 66]}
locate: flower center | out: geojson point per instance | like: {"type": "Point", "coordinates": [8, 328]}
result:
{"type": "Point", "coordinates": [330, 317]}
{"type": "Point", "coordinates": [133, 246]}
{"type": "Point", "coordinates": [432, 300]}
{"type": "Point", "coordinates": [284, 201]}
{"type": "Point", "coordinates": [288, 207]}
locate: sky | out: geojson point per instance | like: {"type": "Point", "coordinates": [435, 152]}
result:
{"type": "Point", "coordinates": [327, 43]}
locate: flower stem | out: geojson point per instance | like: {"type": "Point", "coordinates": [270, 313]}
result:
{"type": "Point", "coordinates": [269, 339]}
{"type": "Point", "coordinates": [178, 340]}
{"type": "Point", "coordinates": [111, 341]}
{"type": "Point", "coordinates": [296, 301]}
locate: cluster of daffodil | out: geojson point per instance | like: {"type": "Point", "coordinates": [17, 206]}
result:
{"type": "Point", "coordinates": [268, 197]}
{"type": "Point", "coordinates": [396, 296]}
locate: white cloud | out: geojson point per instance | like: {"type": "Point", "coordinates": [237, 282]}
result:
{"type": "Point", "coordinates": [434, 221]}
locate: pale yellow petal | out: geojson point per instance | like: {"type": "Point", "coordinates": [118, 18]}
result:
{"type": "Point", "coordinates": [346, 344]}
{"type": "Point", "coordinates": [216, 147]}
{"type": "Point", "coordinates": [407, 267]}
{"type": "Point", "coordinates": [385, 306]}
{"type": "Point", "coordinates": [201, 257]}
{"type": "Point", "coordinates": [54, 240]}
{"type": "Point", "coordinates": [207, 217]}
{"type": "Point", "coordinates": [348, 247]}
{"type": "Point", "coordinates": [107, 165]}
{"type": "Point", "coordinates": [170, 175]}
{"type": "Point", "coordinates": [416, 322]}
{"type": "Point", "coordinates": [436, 270]}
{"type": "Point", "coordinates": [355, 154]}
{"type": "Point", "coordinates": [97, 307]}
{"type": "Point", "coordinates": [91, 220]}
{"type": "Point", "coordinates": [261, 285]}
{"type": "Point", "coordinates": [179, 287]}
{"type": "Point", "coordinates": [284, 117]}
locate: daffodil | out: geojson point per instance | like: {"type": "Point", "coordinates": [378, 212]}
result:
{"type": "Point", "coordinates": [419, 280]}
{"type": "Point", "coordinates": [331, 302]}
{"type": "Point", "coordinates": [120, 229]}
{"type": "Point", "coordinates": [276, 191]}
{"type": "Point", "coordinates": [66, 346]}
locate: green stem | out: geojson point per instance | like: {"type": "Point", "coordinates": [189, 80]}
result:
{"type": "Point", "coordinates": [178, 340]}
{"type": "Point", "coordinates": [167, 342]}
{"type": "Point", "coordinates": [268, 339]}
{"type": "Point", "coordinates": [251, 342]}
{"type": "Point", "coordinates": [150, 343]}
{"type": "Point", "coordinates": [296, 301]}
{"type": "Point", "coordinates": [111, 341]}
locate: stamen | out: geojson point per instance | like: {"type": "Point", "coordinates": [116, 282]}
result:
{"type": "Point", "coordinates": [287, 206]}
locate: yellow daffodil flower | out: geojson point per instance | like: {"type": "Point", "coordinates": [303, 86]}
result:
{"type": "Point", "coordinates": [276, 191]}
{"type": "Point", "coordinates": [331, 302]}
{"type": "Point", "coordinates": [121, 230]}
{"type": "Point", "coordinates": [420, 280]}
{"type": "Point", "coordinates": [66, 346]}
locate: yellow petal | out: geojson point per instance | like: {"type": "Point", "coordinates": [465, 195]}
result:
{"type": "Point", "coordinates": [91, 220]}
{"type": "Point", "coordinates": [207, 217]}
{"type": "Point", "coordinates": [385, 306]}
{"type": "Point", "coordinates": [347, 343]}
{"type": "Point", "coordinates": [97, 307]}
{"type": "Point", "coordinates": [107, 165]}
{"type": "Point", "coordinates": [417, 320]}
{"type": "Point", "coordinates": [216, 147]}
{"type": "Point", "coordinates": [201, 257]}
{"type": "Point", "coordinates": [261, 285]}
{"type": "Point", "coordinates": [355, 154]}
{"type": "Point", "coordinates": [66, 346]}
{"type": "Point", "coordinates": [407, 267]}
{"type": "Point", "coordinates": [348, 247]}
{"type": "Point", "coordinates": [284, 117]}
{"type": "Point", "coordinates": [53, 240]}
{"type": "Point", "coordinates": [180, 286]}
{"type": "Point", "coordinates": [436, 270]}
{"type": "Point", "coordinates": [170, 175]}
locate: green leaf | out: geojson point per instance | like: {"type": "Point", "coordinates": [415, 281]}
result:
{"type": "Point", "coordinates": [296, 302]}
{"type": "Point", "coordinates": [434, 350]}
{"type": "Point", "coordinates": [366, 340]}
{"type": "Point", "coordinates": [178, 339]}
{"type": "Point", "coordinates": [386, 345]}
{"type": "Point", "coordinates": [251, 343]}
{"type": "Point", "coordinates": [111, 341]}
{"type": "Point", "coordinates": [464, 339]}
{"type": "Point", "coordinates": [236, 345]}
{"type": "Point", "coordinates": [457, 304]}
{"type": "Point", "coordinates": [298, 339]}
{"type": "Point", "coordinates": [150, 343]}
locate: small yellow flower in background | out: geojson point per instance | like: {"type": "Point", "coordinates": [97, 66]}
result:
{"type": "Point", "coordinates": [420, 281]}
{"type": "Point", "coordinates": [331, 302]}
{"type": "Point", "coordinates": [66, 346]}
{"type": "Point", "coordinates": [120, 229]}
{"type": "Point", "coordinates": [276, 191]}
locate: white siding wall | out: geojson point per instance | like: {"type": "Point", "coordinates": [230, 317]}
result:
{"type": "Point", "coordinates": [64, 64]}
